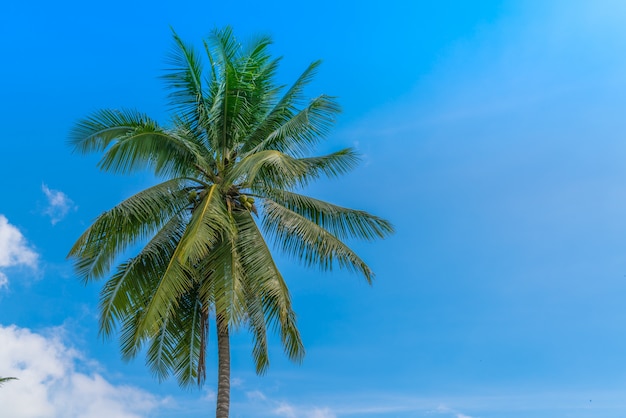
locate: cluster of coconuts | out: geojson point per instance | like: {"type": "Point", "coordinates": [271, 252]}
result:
{"type": "Point", "coordinates": [194, 195]}
{"type": "Point", "coordinates": [246, 201]}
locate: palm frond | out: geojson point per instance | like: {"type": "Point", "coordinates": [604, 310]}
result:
{"type": "Point", "coordinates": [129, 288]}
{"type": "Point", "coordinates": [305, 129]}
{"type": "Point", "coordinates": [266, 289]}
{"type": "Point", "coordinates": [132, 141]}
{"type": "Point", "coordinates": [135, 219]}
{"type": "Point", "coordinates": [161, 354]}
{"type": "Point", "coordinates": [168, 153]}
{"type": "Point", "coordinates": [226, 282]}
{"type": "Point", "coordinates": [225, 46]}
{"type": "Point", "coordinates": [274, 166]}
{"type": "Point", "coordinates": [282, 112]}
{"type": "Point", "coordinates": [207, 226]}
{"type": "Point", "coordinates": [342, 222]}
{"type": "Point", "coordinates": [96, 132]}
{"type": "Point", "coordinates": [184, 80]}
{"type": "Point", "coordinates": [330, 165]}
{"type": "Point", "coordinates": [190, 330]}
{"type": "Point", "coordinates": [266, 170]}
{"type": "Point", "coordinates": [178, 345]}
{"type": "Point", "coordinates": [308, 242]}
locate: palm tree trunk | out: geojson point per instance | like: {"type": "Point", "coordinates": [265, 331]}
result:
{"type": "Point", "coordinates": [223, 356]}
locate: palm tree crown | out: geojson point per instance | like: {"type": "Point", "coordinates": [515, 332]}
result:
{"type": "Point", "coordinates": [232, 162]}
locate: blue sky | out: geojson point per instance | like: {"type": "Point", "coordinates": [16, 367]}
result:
{"type": "Point", "coordinates": [493, 136]}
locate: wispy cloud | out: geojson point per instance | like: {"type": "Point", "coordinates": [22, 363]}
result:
{"type": "Point", "coordinates": [287, 410]}
{"type": "Point", "coordinates": [236, 382]}
{"type": "Point", "coordinates": [443, 409]}
{"type": "Point", "coordinates": [256, 395]}
{"type": "Point", "coordinates": [209, 395]}
{"type": "Point", "coordinates": [14, 250]}
{"type": "Point", "coordinates": [59, 204]}
{"type": "Point", "coordinates": [50, 385]}
{"type": "Point", "coordinates": [264, 405]}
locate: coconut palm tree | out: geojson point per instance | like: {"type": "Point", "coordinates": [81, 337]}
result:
{"type": "Point", "coordinates": [3, 380]}
{"type": "Point", "coordinates": [232, 163]}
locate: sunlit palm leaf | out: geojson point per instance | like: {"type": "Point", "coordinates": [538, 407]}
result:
{"type": "Point", "coordinates": [266, 282]}
{"type": "Point", "coordinates": [132, 221]}
{"type": "Point", "coordinates": [96, 132]}
{"type": "Point", "coordinates": [342, 222]}
{"type": "Point", "coordinates": [184, 79]}
{"type": "Point", "coordinates": [282, 111]}
{"type": "Point", "coordinates": [120, 294]}
{"type": "Point", "coordinates": [189, 329]}
{"type": "Point", "coordinates": [205, 229]}
{"type": "Point", "coordinates": [308, 242]}
{"type": "Point", "coordinates": [267, 170]}
{"type": "Point", "coordinates": [301, 131]}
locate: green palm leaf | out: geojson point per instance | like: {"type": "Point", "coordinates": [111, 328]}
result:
{"type": "Point", "coordinates": [120, 295]}
{"type": "Point", "coordinates": [282, 112]}
{"type": "Point", "coordinates": [342, 222]}
{"type": "Point", "coordinates": [204, 231]}
{"type": "Point", "coordinates": [270, 291]}
{"type": "Point", "coordinates": [130, 222]}
{"type": "Point", "coordinates": [300, 132]}
{"type": "Point", "coordinates": [308, 242]}
{"type": "Point", "coordinates": [184, 80]}
{"type": "Point", "coordinates": [267, 170]}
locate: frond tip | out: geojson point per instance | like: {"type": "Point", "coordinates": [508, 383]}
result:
{"type": "Point", "coordinates": [4, 380]}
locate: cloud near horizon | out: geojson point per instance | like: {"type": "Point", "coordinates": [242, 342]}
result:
{"type": "Point", "coordinates": [50, 385]}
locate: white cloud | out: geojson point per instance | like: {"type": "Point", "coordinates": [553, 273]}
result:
{"type": "Point", "coordinates": [14, 250]}
{"type": "Point", "coordinates": [50, 386]}
{"type": "Point", "coordinates": [59, 204]}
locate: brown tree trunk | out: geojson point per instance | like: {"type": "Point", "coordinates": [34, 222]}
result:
{"type": "Point", "coordinates": [223, 358]}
